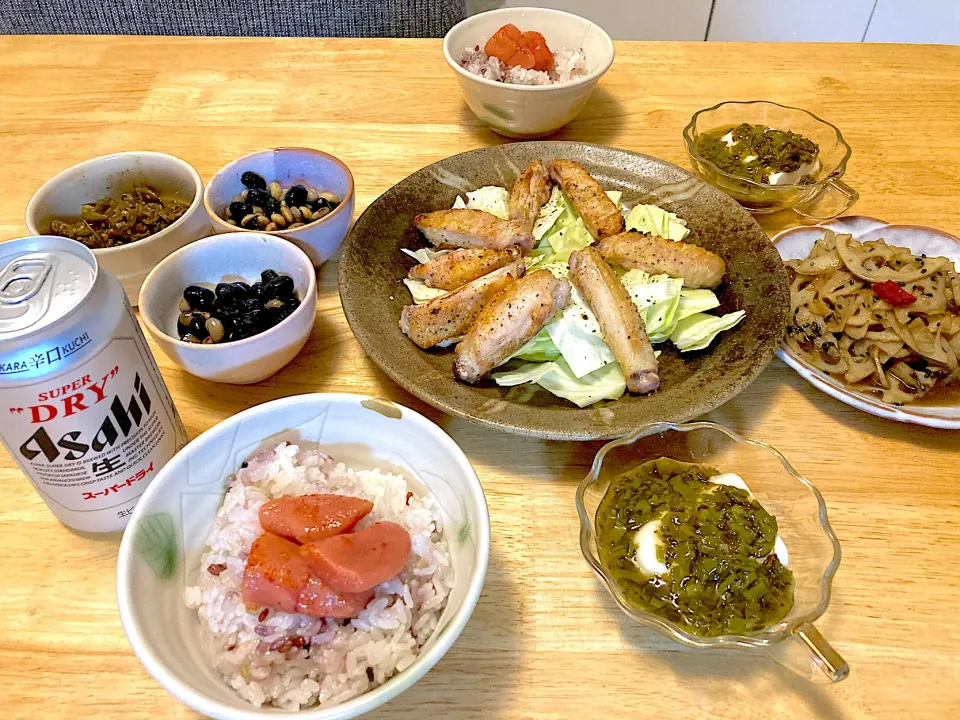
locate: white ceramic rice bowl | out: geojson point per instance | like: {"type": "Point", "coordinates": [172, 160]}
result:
{"type": "Point", "coordinates": [165, 634]}
{"type": "Point", "coordinates": [525, 111]}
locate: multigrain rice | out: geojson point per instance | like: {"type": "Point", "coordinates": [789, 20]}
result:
{"type": "Point", "coordinates": [290, 660]}
{"type": "Point", "coordinates": [567, 65]}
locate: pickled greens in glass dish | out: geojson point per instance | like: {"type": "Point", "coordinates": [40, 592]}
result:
{"type": "Point", "coordinates": [692, 545]}
{"type": "Point", "coordinates": [557, 283]}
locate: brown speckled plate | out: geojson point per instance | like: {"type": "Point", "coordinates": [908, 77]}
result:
{"type": "Point", "coordinates": [372, 292]}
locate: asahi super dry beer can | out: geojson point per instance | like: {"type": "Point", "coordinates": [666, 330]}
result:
{"type": "Point", "coordinates": [85, 411]}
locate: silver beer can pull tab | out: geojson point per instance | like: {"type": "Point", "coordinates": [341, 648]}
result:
{"type": "Point", "coordinates": [26, 291]}
{"type": "Point", "coordinates": [22, 278]}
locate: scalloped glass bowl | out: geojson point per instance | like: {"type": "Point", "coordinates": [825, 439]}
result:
{"type": "Point", "coordinates": [826, 196]}
{"type": "Point", "coordinates": [813, 549]}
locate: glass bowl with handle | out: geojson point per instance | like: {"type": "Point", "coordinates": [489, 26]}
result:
{"type": "Point", "coordinates": [821, 195]}
{"type": "Point", "coordinates": [812, 547]}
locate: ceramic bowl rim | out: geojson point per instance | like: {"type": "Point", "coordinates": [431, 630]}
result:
{"type": "Point", "coordinates": [60, 178]}
{"type": "Point", "coordinates": [221, 224]}
{"type": "Point", "coordinates": [837, 172]}
{"type": "Point", "coordinates": [372, 698]}
{"type": "Point", "coordinates": [309, 301]}
{"type": "Point", "coordinates": [589, 78]}
{"type": "Point", "coordinates": [764, 638]}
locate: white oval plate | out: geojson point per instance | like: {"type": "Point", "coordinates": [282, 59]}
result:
{"type": "Point", "coordinates": [796, 243]}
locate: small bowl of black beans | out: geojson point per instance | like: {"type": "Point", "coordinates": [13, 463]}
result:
{"type": "Point", "coordinates": [233, 308]}
{"type": "Point", "coordinates": [303, 195]}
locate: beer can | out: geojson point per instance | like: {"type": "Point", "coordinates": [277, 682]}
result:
{"type": "Point", "coordinates": [87, 415]}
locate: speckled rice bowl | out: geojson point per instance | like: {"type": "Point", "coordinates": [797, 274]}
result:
{"type": "Point", "coordinates": [291, 660]}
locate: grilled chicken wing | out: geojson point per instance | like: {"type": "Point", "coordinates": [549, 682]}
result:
{"type": "Point", "coordinates": [453, 269]}
{"type": "Point", "coordinates": [698, 267]}
{"type": "Point", "coordinates": [619, 319]}
{"type": "Point", "coordinates": [529, 193]}
{"type": "Point", "coordinates": [600, 214]}
{"type": "Point", "coordinates": [451, 316]}
{"type": "Point", "coordinates": [472, 229]}
{"type": "Point", "coordinates": [518, 314]}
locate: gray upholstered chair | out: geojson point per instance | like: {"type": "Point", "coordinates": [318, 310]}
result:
{"type": "Point", "coordinates": [325, 18]}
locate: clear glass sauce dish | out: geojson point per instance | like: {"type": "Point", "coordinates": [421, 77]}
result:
{"type": "Point", "coordinates": [814, 551]}
{"type": "Point", "coordinates": [822, 196]}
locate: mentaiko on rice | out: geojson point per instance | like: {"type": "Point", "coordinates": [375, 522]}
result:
{"type": "Point", "coordinates": [523, 58]}
{"type": "Point", "coordinates": [292, 660]}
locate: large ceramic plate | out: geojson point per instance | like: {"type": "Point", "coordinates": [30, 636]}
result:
{"type": "Point", "coordinates": [373, 295]}
{"type": "Point", "coordinates": [796, 244]}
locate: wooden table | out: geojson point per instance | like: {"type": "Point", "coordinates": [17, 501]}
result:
{"type": "Point", "coordinates": [545, 640]}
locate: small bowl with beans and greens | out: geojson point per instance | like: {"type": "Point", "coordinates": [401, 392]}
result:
{"type": "Point", "coordinates": [300, 194]}
{"type": "Point", "coordinates": [132, 209]}
{"type": "Point", "coordinates": [714, 540]}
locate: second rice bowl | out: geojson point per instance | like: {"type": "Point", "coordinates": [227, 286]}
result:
{"type": "Point", "coordinates": [414, 474]}
{"type": "Point", "coordinates": [529, 111]}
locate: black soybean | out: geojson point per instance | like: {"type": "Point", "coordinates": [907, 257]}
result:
{"type": "Point", "coordinates": [183, 324]}
{"type": "Point", "coordinates": [229, 294]}
{"type": "Point", "coordinates": [198, 326]}
{"type": "Point", "coordinates": [321, 203]}
{"type": "Point", "coordinates": [258, 197]}
{"type": "Point", "coordinates": [222, 310]}
{"type": "Point", "coordinates": [251, 179]}
{"type": "Point", "coordinates": [240, 330]}
{"type": "Point", "coordinates": [249, 303]}
{"type": "Point", "coordinates": [268, 275]}
{"type": "Point", "coordinates": [279, 287]}
{"type": "Point", "coordinates": [252, 318]}
{"type": "Point", "coordinates": [200, 298]}
{"type": "Point", "coordinates": [272, 206]}
{"type": "Point", "coordinates": [270, 316]}
{"type": "Point", "coordinates": [296, 196]}
{"type": "Point", "coordinates": [239, 210]}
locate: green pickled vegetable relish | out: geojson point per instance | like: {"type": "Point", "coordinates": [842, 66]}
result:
{"type": "Point", "coordinates": [757, 151]}
{"type": "Point", "coordinates": [716, 541]}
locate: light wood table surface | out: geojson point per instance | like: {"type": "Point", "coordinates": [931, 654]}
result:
{"type": "Point", "coordinates": [545, 641]}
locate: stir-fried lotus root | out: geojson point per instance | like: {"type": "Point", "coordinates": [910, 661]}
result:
{"type": "Point", "coordinates": [884, 321]}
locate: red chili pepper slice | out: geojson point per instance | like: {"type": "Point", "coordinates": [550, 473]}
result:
{"type": "Point", "coordinates": [893, 294]}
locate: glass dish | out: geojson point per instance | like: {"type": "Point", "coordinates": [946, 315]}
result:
{"type": "Point", "coordinates": [814, 552]}
{"type": "Point", "coordinates": [823, 196]}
